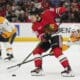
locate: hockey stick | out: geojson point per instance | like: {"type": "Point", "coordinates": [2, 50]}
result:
{"type": "Point", "coordinates": [24, 59]}
{"type": "Point", "coordinates": [27, 61]}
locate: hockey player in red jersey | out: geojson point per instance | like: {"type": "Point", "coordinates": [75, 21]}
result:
{"type": "Point", "coordinates": [45, 27]}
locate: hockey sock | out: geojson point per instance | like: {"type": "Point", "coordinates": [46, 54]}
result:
{"type": "Point", "coordinates": [8, 48]}
{"type": "Point", "coordinates": [38, 61]}
{"type": "Point", "coordinates": [63, 60]}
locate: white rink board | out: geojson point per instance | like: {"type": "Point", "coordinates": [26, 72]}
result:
{"type": "Point", "coordinates": [65, 29]}
{"type": "Point", "coordinates": [24, 30]}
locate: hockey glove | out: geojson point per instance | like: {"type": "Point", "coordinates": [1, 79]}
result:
{"type": "Point", "coordinates": [44, 37]}
{"type": "Point", "coordinates": [51, 28]}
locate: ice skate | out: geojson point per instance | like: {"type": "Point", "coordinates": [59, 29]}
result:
{"type": "Point", "coordinates": [67, 73]}
{"type": "Point", "coordinates": [9, 57]}
{"type": "Point", "coordinates": [37, 72]}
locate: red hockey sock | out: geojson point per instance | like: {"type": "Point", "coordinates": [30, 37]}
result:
{"type": "Point", "coordinates": [65, 63]}
{"type": "Point", "coordinates": [38, 62]}
{"type": "Point", "coordinates": [63, 60]}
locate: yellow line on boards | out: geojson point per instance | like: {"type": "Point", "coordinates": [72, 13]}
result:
{"type": "Point", "coordinates": [28, 39]}
{"type": "Point", "coordinates": [33, 39]}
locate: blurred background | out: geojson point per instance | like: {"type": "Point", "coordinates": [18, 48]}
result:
{"type": "Point", "coordinates": [18, 10]}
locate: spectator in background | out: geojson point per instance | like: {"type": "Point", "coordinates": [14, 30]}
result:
{"type": "Point", "coordinates": [12, 16]}
{"type": "Point", "coordinates": [2, 11]}
{"type": "Point", "coordinates": [39, 0]}
{"type": "Point", "coordinates": [73, 15]}
{"type": "Point", "coordinates": [45, 4]}
{"type": "Point", "coordinates": [37, 4]}
{"type": "Point", "coordinates": [18, 11]}
{"type": "Point", "coordinates": [24, 6]}
{"type": "Point", "coordinates": [79, 1]}
{"type": "Point", "coordinates": [14, 6]}
{"type": "Point", "coordinates": [76, 3]}
{"type": "Point", "coordinates": [2, 8]}
{"type": "Point", "coordinates": [55, 3]}
{"type": "Point", "coordinates": [16, 1]}
{"type": "Point", "coordinates": [27, 16]}
{"type": "Point", "coordinates": [22, 17]}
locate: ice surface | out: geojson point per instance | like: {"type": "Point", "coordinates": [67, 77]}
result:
{"type": "Point", "coordinates": [51, 66]}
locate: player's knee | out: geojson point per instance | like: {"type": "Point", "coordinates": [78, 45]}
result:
{"type": "Point", "coordinates": [57, 52]}
{"type": "Point", "coordinates": [38, 51]}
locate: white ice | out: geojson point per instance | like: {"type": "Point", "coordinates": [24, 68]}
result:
{"type": "Point", "coordinates": [51, 66]}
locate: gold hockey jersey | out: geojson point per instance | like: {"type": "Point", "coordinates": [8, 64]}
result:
{"type": "Point", "coordinates": [6, 28]}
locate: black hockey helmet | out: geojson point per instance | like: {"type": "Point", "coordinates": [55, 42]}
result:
{"type": "Point", "coordinates": [35, 11]}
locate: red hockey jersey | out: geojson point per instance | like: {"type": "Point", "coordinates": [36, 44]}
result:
{"type": "Point", "coordinates": [48, 17]}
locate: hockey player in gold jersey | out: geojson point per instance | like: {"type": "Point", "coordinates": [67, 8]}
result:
{"type": "Point", "coordinates": [7, 36]}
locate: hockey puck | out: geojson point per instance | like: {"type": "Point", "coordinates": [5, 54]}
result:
{"type": "Point", "coordinates": [14, 75]}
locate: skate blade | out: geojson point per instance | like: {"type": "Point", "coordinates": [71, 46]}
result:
{"type": "Point", "coordinates": [69, 75]}
{"type": "Point", "coordinates": [7, 60]}
{"type": "Point", "coordinates": [37, 74]}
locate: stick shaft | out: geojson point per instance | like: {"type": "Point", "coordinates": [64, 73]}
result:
{"type": "Point", "coordinates": [27, 57]}
{"type": "Point", "coordinates": [26, 62]}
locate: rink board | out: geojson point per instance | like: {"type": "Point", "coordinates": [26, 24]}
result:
{"type": "Point", "coordinates": [33, 39]}
{"type": "Point", "coordinates": [25, 32]}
